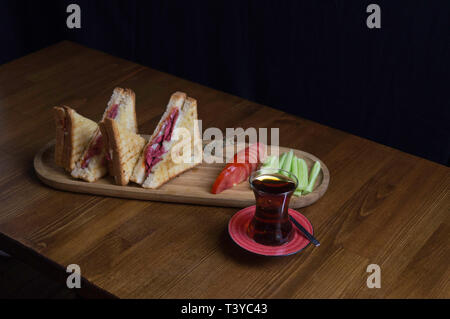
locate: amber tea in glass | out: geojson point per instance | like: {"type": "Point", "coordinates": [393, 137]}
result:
{"type": "Point", "coordinates": [273, 189]}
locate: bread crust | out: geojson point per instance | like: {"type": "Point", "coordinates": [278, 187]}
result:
{"type": "Point", "coordinates": [172, 176]}
{"type": "Point", "coordinates": [105, 136]}
{"type": "Point", "coordinates": [113, 166]}
{"type": "Point", "coordinates": [68, 141]}
{"type": "Point", "coordinates": [110, 130]}
{"type": "Point", "coordinates": [124, 146]}
{"type": "Point", "coordinates": [64, 117]}
{"type": "Point", "coordinates": [59, 115]}
{"type": "Point", "coordinates": [88, 174]}
{"type": "Point", "coordinates": [130, 93]}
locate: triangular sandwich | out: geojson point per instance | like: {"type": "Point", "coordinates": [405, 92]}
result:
{"type": "Point", "coordinates": [73, 133]}
{"type": "Point", "coordinates": [93, 164]}
{"type": "Point", "coordinates": [160, 158]}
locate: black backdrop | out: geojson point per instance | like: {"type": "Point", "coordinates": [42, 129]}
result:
{"type": "Point", "coordinates": [315, 59]}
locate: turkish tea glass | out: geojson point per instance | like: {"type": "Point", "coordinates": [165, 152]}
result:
{"type": "Point", "coordinates": [273, 189]}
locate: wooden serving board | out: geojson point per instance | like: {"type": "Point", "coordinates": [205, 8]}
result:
{"type": "Point", "coordinates": [191, 187]}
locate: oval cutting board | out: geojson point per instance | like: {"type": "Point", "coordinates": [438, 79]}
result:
{"type": "Point", "coordinates": [191, 187]}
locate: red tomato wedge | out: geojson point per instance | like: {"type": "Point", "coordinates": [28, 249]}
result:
{"type": "Point", "coordinates": [230, 176]}
{"type": "Point", "coordinates": [253, 154]}
{"type": "Point", "coordinates": [244, 163]}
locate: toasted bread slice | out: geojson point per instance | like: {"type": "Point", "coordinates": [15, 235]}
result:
{"type": "Point", "coordinates": [125, 99]}
{"type": "Point", "coordinates": [123, 149]}
{"type": "Point", "coordinates": [59, 115]}
{"type": "Point", "coordinates": [73, 133]}
{"type": "Point", "coordinates": [93, 164]}
{"type": "Point", "coordinates": [163, 157]}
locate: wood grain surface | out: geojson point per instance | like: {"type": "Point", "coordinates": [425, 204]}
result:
{"type": "Point", "coordinates": [382, 206]}
{"type": "Point", "coordinates": [198, 181]}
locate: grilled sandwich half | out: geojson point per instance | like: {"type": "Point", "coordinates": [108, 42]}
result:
{"type": "Point", "coordinates": [174, 147]}
{"type": "Point", "coordinates": [94, 162]}
{"type": "Point", "coordinates": [73, 133]}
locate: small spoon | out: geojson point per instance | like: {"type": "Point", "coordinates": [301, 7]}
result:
{"type": "Point", "coordinates": [305, 232]}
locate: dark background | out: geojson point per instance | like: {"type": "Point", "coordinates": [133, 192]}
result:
{"type": "Point", "coordinates": [315, 59]}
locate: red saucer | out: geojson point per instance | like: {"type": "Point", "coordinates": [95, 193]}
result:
{"type": "Point", "coordinates": [237, 228]}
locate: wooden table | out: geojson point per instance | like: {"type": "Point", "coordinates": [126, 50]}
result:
{"type": "Point", "coordinates": [382, 207]}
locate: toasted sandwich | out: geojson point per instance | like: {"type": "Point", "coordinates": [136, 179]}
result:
{"type": "Point", "coordinates": [123, 148]}
{"type": "Point", "coordinates": [73, 133]}
{"type": "Point", "coordinates": [93, 164]}
{"type": "Point", "coordinates": [160, 159]}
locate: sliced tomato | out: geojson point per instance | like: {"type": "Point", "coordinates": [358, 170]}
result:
{"type": "Point", "coordinates": [244, 163]}
{"type": "Point", "coordinates": [253, 154]}
{"type": "Point", "coordinates": [230, 176]}
{"type": "Point", "coordinates": [245, 166]}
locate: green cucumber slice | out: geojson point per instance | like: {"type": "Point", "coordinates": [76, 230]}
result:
{"type": "Point", "coordinates": [313, 177]}
{"type": "Point", "coordinates": [302, 174]}
{"type": "Point", "coordinates": [288, 162]}
{"type": "Point", "coordinates": [271, 162]}
{"type": "Point", "coordinates": [282, 159]}
{"type": "Point", "coordinates": [294, 167]}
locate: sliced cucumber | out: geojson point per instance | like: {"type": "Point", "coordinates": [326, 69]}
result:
{"type": "Point", "coordinates": [313, 177]}
{"type": "Point", "coordinates": [302, 170]}
{"type": "Point", "coordinates": [282, 159]}
{"type": "Point", "coordinates": [294, 170]}
{"type": "Point", "coordinates": [288, 162]}
{"type": "Point", "coordinates": [271, 162]}
{"type": "Point", "coordinates": [294, 167]}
